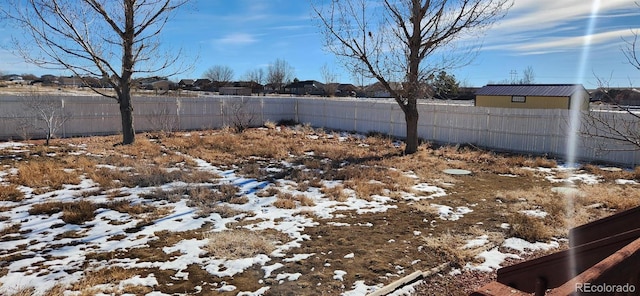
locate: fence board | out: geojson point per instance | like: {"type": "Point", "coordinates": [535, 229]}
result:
{"type": "Point", "coordinates": [520, 130]}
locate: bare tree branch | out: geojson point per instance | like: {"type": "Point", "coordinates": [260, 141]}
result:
{"type": "Point", "coordinates": [397, 41]}
{"type": "Point", "coordinates": [113, 40]}
{"type": "Point", "coordinates": [279, 73]}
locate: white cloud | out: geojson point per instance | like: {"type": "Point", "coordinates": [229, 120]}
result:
{"type": "Point", "coordinates": [527, 27]}
{"type": "Point", "coordinates": [237, 39]}
{"type": "Point", "coordinates": [529, 15]}
{"type": "Point", "coordinates": [575, 42]}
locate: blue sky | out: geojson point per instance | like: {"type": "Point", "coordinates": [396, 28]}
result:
{"type": "Point", "coordinates": [548, 35]}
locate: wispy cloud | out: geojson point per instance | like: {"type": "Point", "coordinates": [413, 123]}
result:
{"type": "Point", "coordinates": [237, 39]}
{"type": "Point", "coordinates": [534, 15]}
{"type": "Point", "coordinates": [575, 42]}
{"type": "Point", "coordinates": [547, 26]}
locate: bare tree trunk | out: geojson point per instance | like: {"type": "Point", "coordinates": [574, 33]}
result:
{"type": "Point", "coordinates": [128, 62]}
{"type": "Point", "coordinates": [411, 117]}
{"type": "Point", "coordinates": [126, 115]}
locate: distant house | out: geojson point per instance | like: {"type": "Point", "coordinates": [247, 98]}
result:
{"type": "Point", "coordinates": [72, 81]}
{"type": "Point", "coordinates": [532, 96]}
{"type": "Point", "coordinates": [619, 96]}
{"type": "Point", "coordinates": [163, 85]}
{"type": "Point", "coordinates": [235, 91]}
{"type": "Point", "coordinates": [377, 90]}
{"type": "Point", "coordinates": [254, 86]}
{"type": "Point", "coordinates": [306, 87]}
{"type": "Point", "coordinates": [186, 83]}
{"type": "Point", "coordinates": [341, 89]}
{"type": "Point", "coordinates": [203, 84]}
{"type": "Point", "coordinates": [272, 88]}
{"type": "Point", "coordinates": [15, 79]}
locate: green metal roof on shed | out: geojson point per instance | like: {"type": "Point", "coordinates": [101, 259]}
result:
{"type": "Point", "coordinates": [543, 90]}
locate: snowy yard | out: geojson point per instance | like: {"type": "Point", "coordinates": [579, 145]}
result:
{"type": "Point", "coordinates": [278, 211]}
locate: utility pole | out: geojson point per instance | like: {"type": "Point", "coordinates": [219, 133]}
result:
{"type": "Point", "coordinates": [514, 76]}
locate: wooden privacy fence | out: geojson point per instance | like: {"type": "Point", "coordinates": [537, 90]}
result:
{"type": "Point", "coordinates": [534, 131]}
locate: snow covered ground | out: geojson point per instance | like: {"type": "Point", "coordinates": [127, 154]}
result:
{"type": "Point", "coordinates": [45, 251]}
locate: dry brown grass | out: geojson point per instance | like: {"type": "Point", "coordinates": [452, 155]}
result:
{"type": "Point", "coordinates": [111, 276]}
{"type": "Point", "coordinates": [611, 176]}
{"type": "Point", "coordinates": [365, 167]}
{"type": "Point", "coordinates": [107, 178]}
{"type": "Point", "coordinates": [269, 191]}
{"type": "Point", "coordinates": [334, 193]}
{"type": "Point", "coordinates": [125, 206]}
{"type": "Point", "coordinates": [72, 212]}
{"type": "Point", "coordinates": [601, 200]}
{"type": "Point", "coordinates": [10, 193]}
{"type": "Point", "coordinates": [150, 176]}
{"type": "Point", "coordinates": [197, 176]}
{"type": "Point", "coordinates": [242, 243]}
{"type": "Point", "coordinates": [78, 212]}
{"type": "Point", "coordinates": [44, 176]}
{"type": "Point", "coordinates": [225, 147]}
{"type": "Point", "coordinates": [46, 208]}
{"type": "Point", "coordinates": [208, 200]}
{"type": "Point", "coordinates": [290, 201]}
{"type": "Point", "coordinates": [536, 197]}
{"type": "Point", "coordinates": [528, 228]}
{"type": "Point", "coordinates": [11, 229]}
{"type": "Point", "coordinates": [226, 211]}
{"type": "Point", "coordinates": [612, 197]}
{"type": "Point", "coordinates": [142, 148]}
{"type": "Point", "coordinates": [27, 291]}
{"type": "Point", "coordinates": [304, 200]}
{"type": "Point", "coordinates": [173, 195]}
{"type": "Point", "coordinates": [239, 200]}
{"type": "Point", "coordinates": [284, 203]}
{"type": "Point", "coordinates": [448, 247]}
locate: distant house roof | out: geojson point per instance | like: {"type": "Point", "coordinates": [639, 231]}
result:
{"type": "Point", "coordinates": [545, 90]}
{"type": "Point", "coordinates": [186, 82]}
{"type": "Point", "coordinates": [304, 83]}
{"type": "Point", "coordinates": [202, 82]}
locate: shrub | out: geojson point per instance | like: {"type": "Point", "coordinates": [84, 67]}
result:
{"type": "Point", "coordinates": [335, 193]}
{"type": "Point", "coordinates": [528, 228]}
{"type": "Point", "coordinates": [10, 229]}
{"type": "Point", "coordinates": [283, 203]}
{"type": "Point", "coordinates": [125, 206]}
{"type": "Point", "coordinates": [78, 212]}
{"type": "Point", "coordinates": [240, 243]}
{"type": "Point", "coordinates": [46, 208]}
{"type": "Point", "coordinates": [44, 175]}
{"type": "Point", "coordinates": [10, 193]}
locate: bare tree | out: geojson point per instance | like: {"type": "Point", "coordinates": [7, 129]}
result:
{"type": "Point", "coordinates": [255, 75]}
{"type": "Point", "coordinates": [630, 50]}
{"type": "Point", "coordinates": [279, 73]}
{"type": "Point", "coordinates": [528, 76]}
{"type": "Point", "coordinates": [398, 41]}
{"type": "Point", "coordinates": [113, 40]}
{"type": "Point", "coordinates": [240, 114]}
{"type": "Point", "coordinates": [616, 121]}
{"type": "Point", "coordinates": [162, 119]}
{"type": "Point", "coordinates": [613, 121]}
{"type": "Point", "coordinates": [330, 80]}
{"type": "Point", "coordinates": [219, 75]}
{"type": "Point", "coordinates": [43, 113]}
